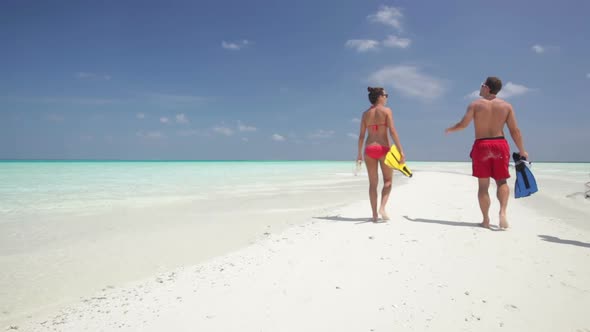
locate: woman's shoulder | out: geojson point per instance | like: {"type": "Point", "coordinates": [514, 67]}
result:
{"type": "Point", "coordinates": [384, 109]}
{"type": "Point", "coordinates": [368, 110]}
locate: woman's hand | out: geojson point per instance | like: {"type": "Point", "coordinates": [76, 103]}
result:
{"type": "Point", "coordinates": [359, 158]}
{"type": "Point", "coordinates": [402, 158]}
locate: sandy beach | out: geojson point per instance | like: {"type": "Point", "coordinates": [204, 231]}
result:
{"type": "Point", "coordinates": [429, 268]}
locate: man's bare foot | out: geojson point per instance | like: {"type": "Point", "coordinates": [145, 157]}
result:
{"type": "Point", "coordinates": [485, 223]}
{"type": "Point", "coordinates": [503, 221]}
{"type": "Point", "coordinates": [384, 215]}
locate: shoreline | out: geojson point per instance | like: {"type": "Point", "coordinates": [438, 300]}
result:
{"type": "Point", "coordinates": [409, 162]}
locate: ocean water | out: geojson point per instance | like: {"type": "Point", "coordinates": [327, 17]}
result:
{"type": "Point", "coordinates": [51, 187]}
{"type": "Point", "coordinates": [40, 188]}
{"type": "Point", "coordinates": [33, 189]}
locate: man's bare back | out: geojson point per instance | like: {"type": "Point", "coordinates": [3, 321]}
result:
{"type": "Point", "coordinates": [490, 116]}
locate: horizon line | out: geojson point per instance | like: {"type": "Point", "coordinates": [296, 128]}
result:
{"type": "Point", "coordinates": [240, 160]}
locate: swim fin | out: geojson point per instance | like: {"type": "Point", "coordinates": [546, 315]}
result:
{"type": "Point", "coordinates": [525, 184]}
{"type": "Point", "coordinates": [392, 159]}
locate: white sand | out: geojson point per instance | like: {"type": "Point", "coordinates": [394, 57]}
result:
{"type": "Point", "coordinates": [429, 268]}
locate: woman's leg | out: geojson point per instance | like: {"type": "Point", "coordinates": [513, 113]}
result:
{"type": "Point", "coordinates": [372, 169]}
{"type": "Point", "coordinates": [387, 182]}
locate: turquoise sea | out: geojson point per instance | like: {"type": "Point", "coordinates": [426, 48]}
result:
{"type": "Point", "coordinates": [39, 187]}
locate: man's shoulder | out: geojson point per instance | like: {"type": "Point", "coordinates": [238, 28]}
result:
{"type": "Point", "coordinates": [496, 101]}
{"type": "Point", "coordinates": [502, 103]}
{"type": "Point", "coordinates": [477, 102]}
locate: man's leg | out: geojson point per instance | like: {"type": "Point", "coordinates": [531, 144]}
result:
{"type": "Point", "coordinates": [503, 193]}
{"type": "Point", "coordinates": [484, 200]}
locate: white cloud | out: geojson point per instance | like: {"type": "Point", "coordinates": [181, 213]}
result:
{"type": "Point", "coordinates": [538, 49]}
{"type": "Point", "coordinates": [473, 95]}
{"type": "Point", "coordinates": [164, 119]}
{"type": "Point", "coordinates": [395, 41]}
{"type": "Point", "coordinates": [351, 135]}
{"type": "Point", "coordinates": [93, 76]}
{"type": "Point", "coordinates": [140, 115]}
{"type": "Point", "coordinates": [322, 134]}
{"type": "Point", "coordinates": [277, 138]}
{"type": "Point", "coordinates": [223, 130]}
{"type": "Point", "coordinates": [181, 118]}
{"type": "Point", "coordinates": [84, 75]}
{"type": "Point", "coordinates": [389, 16]}
{"type": "Point", "coordinates": [409, 81]}
{"type": "Point", "coordinates": [235, 46]}
{"type": "Point", "coordinates": [509, 90]}
{"type": "Point", "coordinates": [356, 120]}
{"type": "Point", "coordinates": [230, 46]}
{"type": "Point", "coordinates": [242, 127]}
{"type": "Point", "coordinates": [150, 134]}
{"type": "Point", "coordinates": [362, 45]}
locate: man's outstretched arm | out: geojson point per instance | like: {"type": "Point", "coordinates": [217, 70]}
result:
{"type": "Point", "coordinates": [465, 121]}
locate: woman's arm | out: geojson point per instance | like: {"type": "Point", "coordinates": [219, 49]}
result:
{"type": "Point", "coordinates": [393, 132]}
{"type": "Point", "coordinates": [361, 138]}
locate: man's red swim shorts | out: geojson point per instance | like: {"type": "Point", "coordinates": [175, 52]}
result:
{"type": "Point", "coordinates": [490, 158]}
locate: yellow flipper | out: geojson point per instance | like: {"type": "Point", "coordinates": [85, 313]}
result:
{"type": "Point", "coordinates": [392, 160]}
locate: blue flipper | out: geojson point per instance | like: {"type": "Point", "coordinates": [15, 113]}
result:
{"type": "Point", "coordinates": [525, 184]}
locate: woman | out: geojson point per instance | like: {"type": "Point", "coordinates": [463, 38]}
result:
{"type": "Point", "coordinates": [378, 120]}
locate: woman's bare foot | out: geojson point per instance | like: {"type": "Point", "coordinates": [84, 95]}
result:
{"type": "Point", "coordinates": [503, 221]}
{"type": "Point", "coordinates": [384, 215]}
{"type": "Point", "coordinates": [485, 223]}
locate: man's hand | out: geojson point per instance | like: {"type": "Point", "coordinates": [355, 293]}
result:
{"type": "Point", "coordinates": [524, 154]}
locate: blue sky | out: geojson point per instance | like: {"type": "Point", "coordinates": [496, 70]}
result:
{"type": "Point", "coordinates": [283, 80]}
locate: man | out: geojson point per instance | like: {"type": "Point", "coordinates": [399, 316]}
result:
{"type": "Point", "coordinates": [490, 153]}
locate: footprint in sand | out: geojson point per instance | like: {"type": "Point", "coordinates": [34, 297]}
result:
{"type": "Point", "coordinates": [511, 307]}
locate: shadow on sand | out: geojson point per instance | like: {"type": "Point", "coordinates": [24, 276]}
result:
{"type": "Point", "coordinates": [444, 222]}
{"type": "Point", "coordinates": [555, 239]}
{"type": "Point", "coordinates": [340, 218]}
